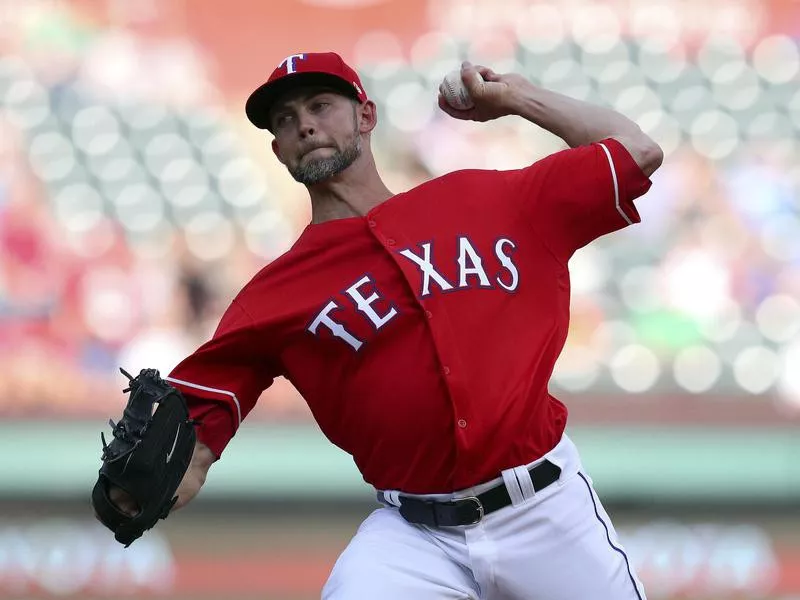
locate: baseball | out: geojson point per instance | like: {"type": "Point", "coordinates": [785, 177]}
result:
{"type": "Point", "coordinates": [454, 91]}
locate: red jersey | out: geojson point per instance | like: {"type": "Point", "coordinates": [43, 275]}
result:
{"type": "Point", "coordinates": [423, 334]}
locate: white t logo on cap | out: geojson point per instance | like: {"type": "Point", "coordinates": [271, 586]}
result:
{"type": "Point", "coordinates": [289, 62]}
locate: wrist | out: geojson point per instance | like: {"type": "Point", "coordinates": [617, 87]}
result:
{"type": "Point", "coordinates": [520, 98]}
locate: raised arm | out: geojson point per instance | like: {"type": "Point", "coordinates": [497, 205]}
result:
{"type": "Point", "coordinates": [574, 121]}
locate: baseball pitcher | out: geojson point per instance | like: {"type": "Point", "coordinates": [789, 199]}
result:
{"type": "Point", "coordinates": [422, 328]}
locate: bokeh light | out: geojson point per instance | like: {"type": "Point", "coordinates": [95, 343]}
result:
{"type": "Point", "coordinates": [136, 201]}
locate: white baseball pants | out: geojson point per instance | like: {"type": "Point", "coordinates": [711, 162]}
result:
{"type": "Point", "coordinates": [555, 544]}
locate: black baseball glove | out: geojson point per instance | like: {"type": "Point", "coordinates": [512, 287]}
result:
{"type": "Point", "coordinates": [147, 457]}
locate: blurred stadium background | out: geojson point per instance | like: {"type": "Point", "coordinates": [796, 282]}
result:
{"type": "Point", "coordinates": [135, 200]}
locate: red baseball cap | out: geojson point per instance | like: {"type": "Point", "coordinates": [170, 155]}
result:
{"type": "Point", "coordinates": [310, 68]}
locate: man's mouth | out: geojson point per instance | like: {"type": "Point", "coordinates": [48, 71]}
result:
{"type": "Point", "coordinates": [310, 150]}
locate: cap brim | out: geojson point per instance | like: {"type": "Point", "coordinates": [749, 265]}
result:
{"type": "Point", "coordinates": [261, 100]}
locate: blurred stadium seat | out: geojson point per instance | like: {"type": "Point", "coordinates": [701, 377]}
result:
{"type": "Point", "coordinates": [702, 297]}
{"type": "Point", "coordinates": [135, 201]}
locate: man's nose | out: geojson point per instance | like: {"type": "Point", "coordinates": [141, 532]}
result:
{"type": "Point", "coordinates": [307, 125]}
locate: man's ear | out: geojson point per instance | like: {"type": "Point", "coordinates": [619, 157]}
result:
{"type": "Point", "coordinates": [276, 150]}
{"type": "Point", "coordinates": [367, 114]}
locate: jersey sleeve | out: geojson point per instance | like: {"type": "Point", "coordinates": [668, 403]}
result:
{"type": "Point", "coordinates": [223, 379]}
{"type": "Point", "coordinates": [577, 195]}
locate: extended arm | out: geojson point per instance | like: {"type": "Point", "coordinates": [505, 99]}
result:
{"type": "Point", "coordinates": [193, 480]}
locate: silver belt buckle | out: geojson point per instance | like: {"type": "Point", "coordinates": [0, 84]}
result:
{"type": "Point", "coordinates": [478, 504]}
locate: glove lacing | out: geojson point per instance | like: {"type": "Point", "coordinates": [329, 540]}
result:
{"type": "Point", "coordinates": [124, 430]}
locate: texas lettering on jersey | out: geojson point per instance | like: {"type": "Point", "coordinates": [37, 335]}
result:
{"type": "Point", "coordinates": [471, 274]}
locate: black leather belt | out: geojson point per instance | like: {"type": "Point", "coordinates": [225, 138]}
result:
{"type": "Point", "coordinates": [470, 510]}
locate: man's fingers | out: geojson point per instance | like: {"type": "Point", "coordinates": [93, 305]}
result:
{"type": "Point", "coordinates": [471, 76]}
{"type": "Point", "coordinates": [477, 73]}
{"type": "Point", "coordinates": [488, 75]}
{"type": "Point", "coordinates": [123, 501]}
{"type": "Point", "coordinates": [463, 115]}
{"type": "Point", "coordinates": [446, 107]}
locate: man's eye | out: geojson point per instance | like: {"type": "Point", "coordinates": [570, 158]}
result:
{"type": "Point", "coordinates": [317, 106]}
{"type": "Point", "coordinates": [283, 119]}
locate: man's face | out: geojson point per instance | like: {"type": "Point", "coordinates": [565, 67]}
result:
{"type": "Point", "coordinates": [316, 133]}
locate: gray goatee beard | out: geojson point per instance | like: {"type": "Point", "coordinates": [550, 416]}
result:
{"type": "Point", "coordinates": [316, 171]}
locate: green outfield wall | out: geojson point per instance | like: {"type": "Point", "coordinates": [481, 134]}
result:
{"type": "Point", "coordinates": [642, 464]}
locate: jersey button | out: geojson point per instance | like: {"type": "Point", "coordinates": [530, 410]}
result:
{"type": "Point", "coordinates": [390, 242]}
{"type": "Point", "coordinates": [371, 223]}
{"type": "Point", "coordinates": [446, 370]}
{"type": "Point", "coordinates": [462, 423]}
{"type": "Point", "coordinates": [429, 314]}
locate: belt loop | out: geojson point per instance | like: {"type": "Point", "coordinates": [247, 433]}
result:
{"type": "Point", "coordinates": [512, 485]}
{"type": "Point", "coordinates": [390, 497]}
{"type": "Point", "coordinates": [525, 482]}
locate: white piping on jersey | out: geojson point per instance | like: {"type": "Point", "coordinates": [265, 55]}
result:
{"type": "Point", "coordinates": [616, 185]}
{"type": "Point", "coordinates": [210, 389]}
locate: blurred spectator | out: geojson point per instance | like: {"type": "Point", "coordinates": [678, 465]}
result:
{"type": "Point", "coordinates": [134, 204]}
